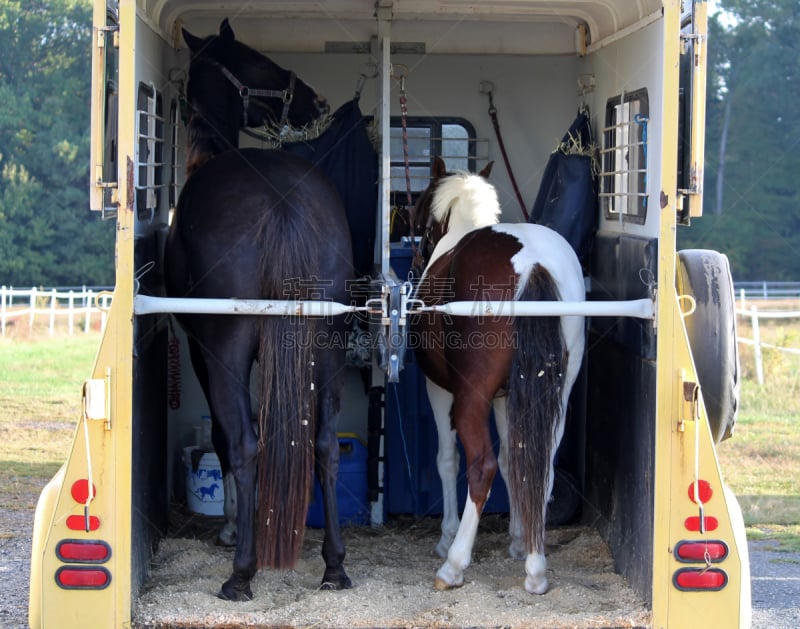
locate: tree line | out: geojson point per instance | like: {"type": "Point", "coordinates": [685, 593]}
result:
{"type": "Point", "coordinates": [751, 206]}
{"type": "Point", "coordinates": [48, 236]}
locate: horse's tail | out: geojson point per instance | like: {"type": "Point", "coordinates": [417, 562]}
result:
{"type": "Point", "coordinates": [534, 409]}
{"type": "Point", "coordinates": [287, 415]}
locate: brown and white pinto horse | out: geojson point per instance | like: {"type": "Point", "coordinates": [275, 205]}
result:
{"type": "Point", "coordinates": [523, 367]}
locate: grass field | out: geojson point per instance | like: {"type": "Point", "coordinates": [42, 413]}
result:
{"type": "Point", "coordinates": [41, 376]}
{"type": "Point", "coordinates": [761, 462]}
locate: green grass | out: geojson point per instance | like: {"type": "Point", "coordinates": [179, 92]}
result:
{"type": "Point", "coordinates": [40, 395]}
{"type": "Point", "coordinates": [40, 401]}
{"type": "Point", "coordinates": [761, 462]}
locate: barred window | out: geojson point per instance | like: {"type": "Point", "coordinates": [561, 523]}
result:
{"type": "Point", "coordinates": [623, 175]}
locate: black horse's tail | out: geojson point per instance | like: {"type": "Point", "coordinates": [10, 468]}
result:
{"type": "Point", "coordinates": [287, 416]}
{"type": "Point", "coordinates": [534, 408]}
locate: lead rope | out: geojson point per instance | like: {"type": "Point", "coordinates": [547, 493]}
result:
{"type": "Point", "coordinates": [416, 256]}
{"type": "Point", "coordinates": [89, 479]}
{"type": "Point", "coordinates": [698, 500]}
{"type": "Point", "coordinates": [496, 125]}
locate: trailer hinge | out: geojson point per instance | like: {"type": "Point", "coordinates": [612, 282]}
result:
{"type": "Point", "coordinates": [102, 32]}
{"type": "Point", "coordinates": [690, 401]}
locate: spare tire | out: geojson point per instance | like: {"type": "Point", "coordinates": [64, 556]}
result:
{"type": "Point", "coordinates": [705, 275]}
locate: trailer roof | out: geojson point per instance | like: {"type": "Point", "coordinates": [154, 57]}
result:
{"type": "Point", "coordinates": [431, 26]}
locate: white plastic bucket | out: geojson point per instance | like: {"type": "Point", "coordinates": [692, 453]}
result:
{"type": "Point", "coordinates": [204, 487]}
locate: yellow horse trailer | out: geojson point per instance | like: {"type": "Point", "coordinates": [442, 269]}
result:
{"type": "Point", "coordinates": [648, 437]}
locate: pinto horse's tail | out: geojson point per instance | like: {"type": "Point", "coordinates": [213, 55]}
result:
{"type": "Point", "coordinates": [287, 416]}
{"type": "Point", "coordinates": [534, 409]}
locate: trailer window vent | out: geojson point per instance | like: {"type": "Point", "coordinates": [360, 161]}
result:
{"type": "Point", "coordinates": [149, 177]}
{"type": "Point", "coordinates": [176, 165]}
{"type": "Point", "coordinates": [452, 139]}
{"type": "Point", "coordinates": [623, 176]}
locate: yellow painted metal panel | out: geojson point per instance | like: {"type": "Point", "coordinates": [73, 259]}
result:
{"type": "Point", "coordinates": [677, 444]}
{"type": "Point", "coordinates": [109, 441]}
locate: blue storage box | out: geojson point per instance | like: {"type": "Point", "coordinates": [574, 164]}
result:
{"type": "Point", "coordinates": [351, 487]}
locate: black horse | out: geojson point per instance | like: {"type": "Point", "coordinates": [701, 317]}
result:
{"type": "Point", "coordinates": [262, 224]}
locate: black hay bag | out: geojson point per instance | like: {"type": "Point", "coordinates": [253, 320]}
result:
{"type": "Point", "coordinates": [567, 199]}
{"type": "Point", "coordinates": [345, 154]}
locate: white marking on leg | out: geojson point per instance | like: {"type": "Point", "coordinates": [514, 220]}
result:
{"type": "Point", "coordinates": [446, 461]}
{"type": "Point", "coordinates": [517, 547]}
{"type": "Point", "coordinates": [536, 571]}
{"type": "Point", "coordinates": [451, 574]}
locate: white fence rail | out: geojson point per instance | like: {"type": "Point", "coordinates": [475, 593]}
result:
{"type": "Point", "coordinates": [755, 315]}
{"type": "Point", "coordinates": [28, 304]}
{"type": "Point", "coordinates": [766, 290]}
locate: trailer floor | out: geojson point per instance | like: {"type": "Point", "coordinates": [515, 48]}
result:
{"type": "Point", "coordinates": [392, 569]}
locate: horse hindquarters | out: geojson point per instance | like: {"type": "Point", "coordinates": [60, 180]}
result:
{"type": "Point", "coordinates": [535, 418]}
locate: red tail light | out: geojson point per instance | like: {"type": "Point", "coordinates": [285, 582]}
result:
{"type": "Point", "coordinates": [698, 550]}
{"type": "Point", "coordinates": [83, 551]}
{"type": "Point", "coordinates": [700, 580]}
{"type": "Point", "coordinates": [83, 577]}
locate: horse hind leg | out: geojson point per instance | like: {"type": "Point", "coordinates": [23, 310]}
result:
{"type": "Point", "coordinates": [327, 468]}
{"type": "Point", "coordinates": [227, 534]}
{"type": "Point", "coordinates": [471, 413]}
{"type": "Point", "coordinates": [517, 547]}
{"type": "Point", "coordinates": [447, 459]}
{"type": "Point", "coordinates": [229, 401]}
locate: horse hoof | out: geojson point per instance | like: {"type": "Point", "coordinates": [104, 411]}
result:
{"type": "Point", "coordinates": [236, 593]}
{"type": "Point", "coordinates": [441, 585]}
{"type": "Point", "coordinates": [517, 551]}
{"type": "Point", "coordinates": [336, 580]}
{"type": "Point", "coordinates": [538, 585]}
{"type": "Point", "coordinates": [225, 542]}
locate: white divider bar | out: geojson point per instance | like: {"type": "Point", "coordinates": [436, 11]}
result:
{"type": "Point", "coordinates": [639, 308]}
{"type": "Point", "coordinates": [144, 304]}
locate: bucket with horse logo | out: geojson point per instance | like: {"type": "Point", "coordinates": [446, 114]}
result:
{"type": "Point", "coordinates": [204, 492]}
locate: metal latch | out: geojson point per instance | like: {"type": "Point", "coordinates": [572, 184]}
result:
{"type": "Point", "coordinates": [690, 410]}
{"type": "Point", "coordinates": [97, 399]}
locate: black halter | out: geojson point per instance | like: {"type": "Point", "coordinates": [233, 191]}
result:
{"type": "Point", "coordinates": [245, 93]}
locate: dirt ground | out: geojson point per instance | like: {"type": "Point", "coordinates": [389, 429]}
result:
{"type": "Point", "coordinates": [392, 568]}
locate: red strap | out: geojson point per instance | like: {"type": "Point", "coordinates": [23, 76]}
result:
{"type": "Point", "coordinates": [493, 114]}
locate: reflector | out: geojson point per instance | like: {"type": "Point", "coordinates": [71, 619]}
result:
{"type": "Point", "coordinates": [82, 578]}
{"type": "Point", "coordinates": [693, 523]}
{"type": "Point", "coordinates": [78, 523]}
{"type": "Point", "coordinates": [80, 490]}
{"type": "Point", "coordinates": [703, 489]}
{"type": "Point", "coordinates": [83, 551]}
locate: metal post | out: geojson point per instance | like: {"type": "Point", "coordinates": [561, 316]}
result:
{"type": "Point", "coordinates": [32, 313]}
{"type": "Point", "coordinates": [3, 310]}
{"type": "Point", "coordinates": [88, 301]}
{"type": "Point", "coordinates": [52, 312]}
{"type": "Point", "coordinates": [757, 345]}
{"type": "Point", "coordinates": [71, 313]}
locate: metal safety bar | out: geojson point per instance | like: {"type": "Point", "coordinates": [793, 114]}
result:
{"type": "Point", "coordinates": [638, 308]}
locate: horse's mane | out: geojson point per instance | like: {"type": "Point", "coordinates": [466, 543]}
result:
{"type": "Point", "coordinates": [470, 199]}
